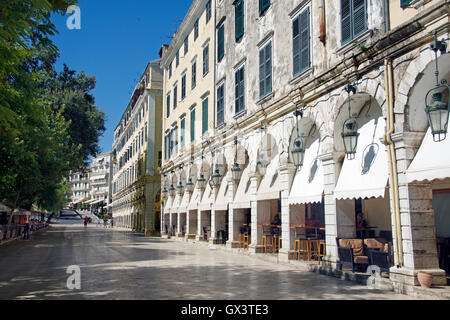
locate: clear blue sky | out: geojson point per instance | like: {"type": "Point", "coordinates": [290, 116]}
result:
{"type": "Point", "coordinates": [116, 41]}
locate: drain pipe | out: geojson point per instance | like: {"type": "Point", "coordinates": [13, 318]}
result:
{"type": "Point", "coordinates": [393, 176]}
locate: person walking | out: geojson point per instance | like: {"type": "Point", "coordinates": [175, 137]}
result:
{"type": "Point", "coordinates": [26, 231]}
{"type": "Point", "coordinates": [86, 219]}
{"type": "Point", "coordinates": [112, 222]}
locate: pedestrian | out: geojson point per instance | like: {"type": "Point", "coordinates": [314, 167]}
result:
{"type": "Point", "coordinates": [86, 221]}
{"type": "Point", "coordinates": [26, 231]}
{"type": "Point", "coordinates": [112, 223]}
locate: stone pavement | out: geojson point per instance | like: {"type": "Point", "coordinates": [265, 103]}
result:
{"type": "Point", "coordinates": [117, 264]}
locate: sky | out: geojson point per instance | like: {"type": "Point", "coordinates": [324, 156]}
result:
{"type": "Point", "coordinates": [116, 41]}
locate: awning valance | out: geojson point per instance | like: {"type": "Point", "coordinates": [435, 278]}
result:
{"type": "Point", "coordinates": [365, 176]}
{"type": "Point", "coordinates": [221, 202]}
{"type": "Point", "coordinates": [242, 195]}
{"type": "Point", "coordinates": [269, 188]}
{"type": "Point", "coordinates": [308, 182]}
{"type": "Point", "coordinates": [207, 199]}
{"type": "Point", "coordinates": [432, 161]}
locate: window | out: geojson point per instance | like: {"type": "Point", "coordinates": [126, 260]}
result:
{"type": "Point", "coordinates": [301, 40]}
{"type": "Point", "coordinates": [196, 30]}
{"type": "Point", "coordinates": [204, 115]}
{"type": "Point", "coordinates": [239, 19]}
{"type": "Point", "coordinates": [183, 86]}
{"type": "Point", "coordinates": [404, 3]}
{"type": "Point", "coordinates": [192, 125]}
{"type": "Point", "coordinates": [220, 42]}
{"type": "Point", "coordinates": [265, 70]}
{"type": "Point", "coordinates": [175, 92]}
{"type": "Point", "coordinates": [170, 69]}
{"type": "Point", "coordinates": [177, 58]}
{"type": "Point", "coordinates": [146, 132]}
{"type": "Point", "coordinates": [353, 19]}
{"type": "Point", "coordinates": [239, 90]}
{"type": "Point", "coordinates": [263, 6]}
{"type": "Point", "coordinates": [208, 11]}
{"type": "Point", "coordinates": [205, 60]}
{"type": "Point", "coordinates": [186, 45]}
{"type": "Point", "coordinates": [194, 75]}
{"type": "Point", "coordinates": [182, 131]}
{"type": "Point", "coordinates": [175, 139]}
{"type": "Point", "coordinates": [168, 105]}
{"type": "Point", "coordinates": [220, 104]}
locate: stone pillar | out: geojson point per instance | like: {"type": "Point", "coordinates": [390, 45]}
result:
{"type": "Point", "coordinates": [149, 211]}
{"type": "Point", "coordinates": [255, 245]}
{"type": "Point", "coordinates": [418, 230]}
{"type": "Point", "coordinates": [212, 238]}
{"type": "Point", "coordinates": [331, 169]}
{"type": "Point", "coordinates": [287, 174]}
{"type": "Point", "coordinates": [233, 241]}
{"type": "Point", "coordinates": [199, 235]}
{"type": "Point", "coordinates": [191, 222]}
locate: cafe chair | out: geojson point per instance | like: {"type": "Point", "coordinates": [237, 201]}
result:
{"type": "Point", "coordinates": [246, 236]}
{"type": "Point", "coordinates": [267, 238]}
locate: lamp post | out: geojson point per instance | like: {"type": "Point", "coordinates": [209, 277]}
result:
{"type": "Point", "coordinates": [216, 177]}
{"type": "Point", "coordinates": [180, 187]}
{"type": "Point", "coordinates": [172, 188]}
{"type": "Point", "coordinates": [350, 129]}
{"type": "Point", "coordinates": [201, 180]}
{"type": "Point", "coordinates": [436, 108]}
{"type": "Point", "coordinates": [164, 192]}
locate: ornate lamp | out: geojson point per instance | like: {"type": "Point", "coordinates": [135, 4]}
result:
{"type": "Point", "coordinates": [436, 107]}
{"type": "Point", "coordinates": [298, 152]}
{"type": "Point", "coordinates": [350, 129]}
{"type": "Point", "coordinates": [262, 166]}
{"type": "Point", "coordinates": [180, 187]}
{"type": "Point", "coordinates": [164, 192]}
{"type": "Point", "coordinates": [172, 188]}
{"type": "Point", "coordinates": [215, 178]}
{"type": "Point", "coordinates": [201, 180]}
{"type": "Point", "coordinates": [236, 171]}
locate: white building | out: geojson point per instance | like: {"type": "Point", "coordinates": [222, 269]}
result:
{"type": "Point", "coordinates": [100, 181]}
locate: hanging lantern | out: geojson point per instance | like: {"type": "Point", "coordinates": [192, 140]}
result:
{"type": "Point", "coordinates": [216, 178]}
{"type": "Point", "coordinates": [189, 186]}
{"type": "Point", "coordinates": [236, 172]}
{"type": "Point", "coordinates": [172, 191]}
{"type": "Point", "coordinates": [262, 166]}
{"type": "Point", "coordinates": [436, 100]}
{"type": "Point", "coordinates": [298, 152]}
{"type": "Point", "coordinates": [180, 188]}
{"type": "Point", "coordinates": [350, 129]}
{"type": "Point", "coordinates": [201, 182]}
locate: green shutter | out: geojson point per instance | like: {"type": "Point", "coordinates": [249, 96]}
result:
{"type": "Point", "coordinates": [220, 105]}
{"type": "Point", "coordinates": [261, 73]}
{"type": "Point", "coordinates": [239, 19]}
{"type": "Point", "coordinates": [168, 105]}
{"type": "Point", "coordinates": [183, 127]}
{"type": "Point", "coordinates": [359, 17]}
{"type": "Point", "coordinates": [194, 75]}
{"type": "Point", "coordinates": [346, 26]}
{"type": "Point", "coordinates": [220, 42]}
{"type": "Point", "coordinates": [301, 42]}
{"type": "Point", "coordinates": [263, 5]}
{"type": "Point", "coordinates": [239, 90]}
{"type": "Point", "coordinates": [404, 3]}
{"type": "Point", "coordinates": [192, 125]}
{"type": "Point", "coordinates": [205, 116]}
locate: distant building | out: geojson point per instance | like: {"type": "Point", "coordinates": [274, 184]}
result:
{"type": "Point", "coordinates": [99, 181]}
{"type": "Point", "coordinates": [79, 181]}
{"type": "Point", "coordinates": [136, 156]}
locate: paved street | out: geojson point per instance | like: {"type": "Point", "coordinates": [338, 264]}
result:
{"type": "Point", "coordinates": [117, 264]}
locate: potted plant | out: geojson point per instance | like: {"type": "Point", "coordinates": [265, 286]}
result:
{"type": "Point", "coordinates": [425, 279]}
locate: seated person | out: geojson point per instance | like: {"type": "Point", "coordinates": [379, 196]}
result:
{"type": "Point", "coordinates": [276, 220]}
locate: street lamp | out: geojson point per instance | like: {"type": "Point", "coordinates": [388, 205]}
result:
{"type": "Point", "coordinates": [350, 129]}
{"type": "Point", "coordinates": [180, 188]}
{"type": "Point", "coordinates": [201, 180]}
{"type": "Point", "coordinates": [216, 177]}
{"type": "Point", "coordinates": [298, 152]}
{"type": "Point", "coordinates": [436, 108]}
{"type": "Point", "coordinates": [262, 163]}
{"type": "Point", "coordinates": [172, 188]}
{"type": "Point", "coordinates": [164, 192]}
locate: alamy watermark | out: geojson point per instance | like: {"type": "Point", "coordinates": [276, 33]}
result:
{"type": "Point", "coordinates": [373, 282]}
{"type": "Point", "coordinates": [74, 21]}
{"type": "Point", "coordinates": [74, 280]}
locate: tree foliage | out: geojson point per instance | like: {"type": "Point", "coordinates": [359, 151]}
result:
{"type": "Point", "coordinates": [49, 123]}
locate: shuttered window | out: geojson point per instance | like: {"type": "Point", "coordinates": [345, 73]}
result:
{"type": "Point", "coordinates": [168, 105]}
{"type": "Point", "coordinates": [206, 60]}
{"type": "Point", "coordinates": [182, 132]}
{"type": "Point", "coordinates": [205, 115]}
{"type": "Point", "coordinates": [239, 90]}
{"type": "Point", "coordinates": [183, 86]}
{"type": "Point", "coordinates": [239, 19]}
{"type": "Point", "coordinates": [208, 11]}
{"type": "Point", "coordinates": [353, 19]}
{"type": "Point", "coordinates": [220, 42]}
{"type": "Point", "coordinates": [265, 70]}
{"type": "Point", "coordinates": [263, 5]}
{"type": "Point", "coordinates": [175, 93]}
{"type": "Point", "coordinates": [301, 42]}
{"type": "Point", "coordinates": [404, 3]}
{"type": "Point", "coordinates": [196, 30]}
{"type": "Point", "coordinates": [192, 125]}
{"type": "Point", "coordinates": [194, 75]}
{"type": "Point", "coordinates": [220, 105]}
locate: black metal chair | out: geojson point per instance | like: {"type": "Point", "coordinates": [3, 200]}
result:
{"type": "Point", "coordinates": [347, 256]}
{"type": "Point", "coordinates": [380, 258]}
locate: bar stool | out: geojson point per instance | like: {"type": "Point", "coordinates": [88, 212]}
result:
{"type": "Point", "coordinates": [313, 249]}
{"type": "Point", "coordinates": [302, 248]}
{"type": "Point", "coordinates": [322, 249]}
{"type": "Point", "coordinates": [241, 236]}
{"type": "Point", "coordinates": [267, 238]}
{"type": "Point", "coordinates": [246, 237]}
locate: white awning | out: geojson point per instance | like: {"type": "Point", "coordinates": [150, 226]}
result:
{"type": "Point", "coordinates": [242, 195]}
{"type": "Point", "coordinates": [269, 188]}
{"type": "Point", "coordinates": [98, 177]}
{"type": "Point", "coordinates": [167, 205]}
{"type": "Point", "coordinates": [365, 176]}
{"type": "Point", "coordinates": [184, 202]}
{"type": "Point", "coordinates": [432, 161]}
{"type": "Point", "coordinates": [221, 202]}
{"type": "Point", "coordinates": [207, 199]}
{"type": "Point", "coordinates": [195, 199]}
{"type": "Point", "coordinates": [308, 182]}
{"type": "Point", "coordinates": [175, 204]}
